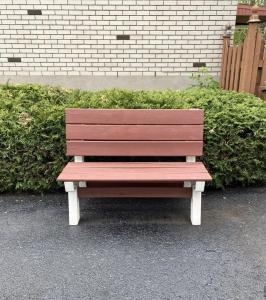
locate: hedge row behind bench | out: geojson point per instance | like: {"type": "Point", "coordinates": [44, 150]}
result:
{"type": "Point", "coordinates": [32, 137]}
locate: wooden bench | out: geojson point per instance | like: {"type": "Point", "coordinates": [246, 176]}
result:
{"type": "Point", "coordinates": [134, 133]}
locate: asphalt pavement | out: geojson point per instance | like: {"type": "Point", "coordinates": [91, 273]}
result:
{"type": "Point", "coordinates": [134, 249]}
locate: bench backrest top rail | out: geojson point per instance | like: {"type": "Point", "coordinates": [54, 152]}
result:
{"type": "Point", "coordinates": [134, 132]}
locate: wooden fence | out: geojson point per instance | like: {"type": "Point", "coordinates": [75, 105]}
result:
{"type": "Point", "coordinates": [244, 66]}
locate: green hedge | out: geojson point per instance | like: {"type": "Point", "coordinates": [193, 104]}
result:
{"type": "Point", "coordinates": [32, 139]}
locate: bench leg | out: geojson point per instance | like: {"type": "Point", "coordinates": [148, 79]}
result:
{"type": "Point", "coordinates": [195, 210]}
{"type": "Point", "coordinates": [73, 203]}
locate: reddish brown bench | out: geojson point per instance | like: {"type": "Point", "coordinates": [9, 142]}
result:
{"type": "Point", "coordinates": [134, 133]}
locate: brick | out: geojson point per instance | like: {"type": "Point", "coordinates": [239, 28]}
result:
{"type": "Point", "coordinates": [74, 38]}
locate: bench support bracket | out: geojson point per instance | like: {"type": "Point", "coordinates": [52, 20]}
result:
{"type": "Point", "coordinates": [191, 159]}
{"type": "Point", "coordinates": [73, 203]}
{"type": "Point", "coordinates": [80, 159]}
{"type": "Point", "coordinates": [195, 211]}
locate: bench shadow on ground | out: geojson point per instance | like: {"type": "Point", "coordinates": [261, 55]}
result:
{"type": "Point", "coordinates": [132, 211]}
{"type": "Point", "coordinates": [132, 220]}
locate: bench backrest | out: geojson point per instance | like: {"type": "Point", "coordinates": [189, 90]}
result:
{"type": "Point", "coordinates": [134, 132]}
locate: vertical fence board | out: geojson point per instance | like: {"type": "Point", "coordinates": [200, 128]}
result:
{"type": "Point", "coordinates": [260, 68]}
{"type": "Point", "coordinates": [233, 68]}
{"type": "Point", "coordinates": [263, 75]}
{"type": "Point", "coordinates": [237, 66]}
{"type": "Point", "coordinates": [226, 43]}
{"type": "Point", "coordinates": [262, 87]}
{"type": "Point", "coordinates": [228, 68]}
{"type": "Point", "coordinates": [256, 60]}
{"type": "Point", "coordinates": [248, 57]}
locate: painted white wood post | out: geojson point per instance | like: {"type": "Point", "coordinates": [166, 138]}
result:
{"type": "Point", "coordinates": [189, 159]}
{"type": "Point", "coordinates": [80, 159]}
{"type": "Point", "coordinates": [73, 203]}
{"type": "Point", "coordinates": [195, 210]}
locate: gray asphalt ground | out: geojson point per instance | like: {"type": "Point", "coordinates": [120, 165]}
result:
{"type": "Point", "coordinates": [134, 249]}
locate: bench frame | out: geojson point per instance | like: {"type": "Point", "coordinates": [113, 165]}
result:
{"type": "Point", "coordinates": [93, 117]}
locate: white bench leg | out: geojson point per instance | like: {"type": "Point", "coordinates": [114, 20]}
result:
{"type": "Point", "coordinates": [73, 203]}
{"type": "Point", "coordinates": [195, 210]}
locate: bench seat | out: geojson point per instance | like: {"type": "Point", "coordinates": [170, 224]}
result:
{"type": "Point", "coordinates": [134, 172]}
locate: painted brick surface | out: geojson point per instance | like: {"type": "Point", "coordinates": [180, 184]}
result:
{"type": "Point", "coordinates": [112, 37]}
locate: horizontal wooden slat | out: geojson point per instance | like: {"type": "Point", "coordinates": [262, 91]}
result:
{"type": "Point", "coordinates": [97, 184]}
{"type": "Point", "coordinates": [132, 148]}
{"type": "Point", "coordinates": [134, 116]}
{"type": "Point", "coordinates": [135, 132]}
{"type": "Point", "coordinates": [135, 190]}
{"type": "Point", "coordinates": [127, 172]}
{"type": "Point", "coordinates": [137, 165]}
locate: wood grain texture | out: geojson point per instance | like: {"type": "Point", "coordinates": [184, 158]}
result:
{"type": "Point", "coordinates": [262, 83]}
{"type": "Point", "coordinates": [156, 172]}
{"type": "Point", "coordinates": [238, 67]}
{"type": "Point", "coordinates": [228, 68]}
{"type": "Point", "coordinates": [256, 61]}
{"type": "Point", "coordinates": [263, 75]}
{"type": "Point", "coordinates": [243, 65]}
{"type": "Point", "coordinates": [233, 69]}
{"type": "Point", "coordinates": [135, 132]}
{"type": "Point", "coordinates": [135, 148]}
{"type": "Point", "coordinates": [134, 116]}
{"type": "Point", "coordinates": [248, 58]}
{"type": "Point", "coordinates": [260, 70]}
{"type": "Point", "coordinates": [226, 44]}
{"type": "Point", "coordinates": [97, 132]}
{"type": "Point", "coordinates": [142, 190]}
{"type": "Point", "coordinates": [151, 164]}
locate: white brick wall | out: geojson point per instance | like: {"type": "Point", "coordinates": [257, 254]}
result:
{"type": "Point", "coordinates": [79, 37]}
